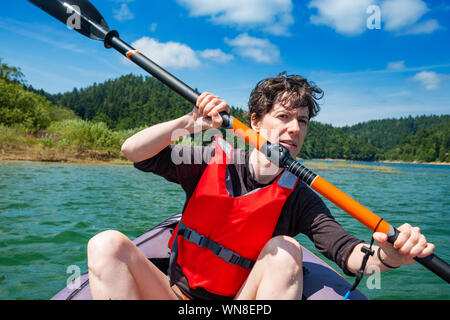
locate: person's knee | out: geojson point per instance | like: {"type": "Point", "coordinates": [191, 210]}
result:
{"type": "Point", "coordinates": [285, 252]}
{"type": "Point", "coordinates": [105, 246]}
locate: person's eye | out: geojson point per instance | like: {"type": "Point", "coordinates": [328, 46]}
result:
{"type": "Point", "coordinates": [303, 121]}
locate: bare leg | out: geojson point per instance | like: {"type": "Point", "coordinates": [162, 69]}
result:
{"type": "Point", "coordinates": [277, 273]}
{"type": "Point", "coordinates": [119, 270]}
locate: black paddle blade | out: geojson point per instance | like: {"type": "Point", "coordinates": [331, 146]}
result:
{"type": "Point", "coordinates": [79, 15]}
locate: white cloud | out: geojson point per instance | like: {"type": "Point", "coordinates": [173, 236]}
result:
{"type": "Point", "coordinates": [260, 50]}
{"type": "Point", "coordinates": [272, 16]}
{"type": "Point", "coordinates": [396, 65]}
{"type": "Point", "coordinates": [153, 27]}
{"type": "Point", "coordinates": [178, 55]}
{"type": "Point", "coordinates": [403, 17]}
{"type": "Point", "coordinates": [123, 14]}
{"type": "Point", "coordinates": [41, 33]}
{"type": "Point", "coordinates": [398, 14]}
{"type": "Point", "coordinates": [216, 55]}
{"type": "Point", "coordinates": [398, 94]}
{"type": "Point", "coordinates": [349, 17]}
{"type": "Point", "coordinates": [425, 27]}
{"type": "Point", "coordinates": [429, 79]}
{"type": "Point", "coordinates": [168, 54]}
{"type": "Point", "coordinates": [345, 16]}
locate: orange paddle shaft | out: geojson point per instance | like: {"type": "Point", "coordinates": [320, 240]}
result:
{"type": "Point", "coordinates": [339, 198]}
{"type": "Point", "coordinates": [349, 205]}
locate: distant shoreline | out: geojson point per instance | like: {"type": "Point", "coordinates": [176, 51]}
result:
{"type": "Point", "coordinates": [414, 162]}
{"type": "Point", "coordinates": [380, 161]}
{"type": "Point", "coordinates": [84, 156]}
{"type": "Point", "coordinates": [72, 155]}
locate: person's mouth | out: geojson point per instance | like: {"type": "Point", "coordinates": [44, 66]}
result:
{"type": "Point", "coordinates": [288, 144]}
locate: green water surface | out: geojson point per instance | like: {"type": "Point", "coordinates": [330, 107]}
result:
{"type": "Point", "coordinates": [49, 212]}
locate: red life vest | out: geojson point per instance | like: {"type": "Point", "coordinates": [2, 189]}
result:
{"type": "Point", "coordinates": [219, 236]}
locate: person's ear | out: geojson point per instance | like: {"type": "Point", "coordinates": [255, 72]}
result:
{"type": "Point", "coordinates": [255, 124]}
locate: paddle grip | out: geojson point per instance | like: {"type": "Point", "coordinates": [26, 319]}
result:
{"type": "Point", "coordinates": [431, 262]}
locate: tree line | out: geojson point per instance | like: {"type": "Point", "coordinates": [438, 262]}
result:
{"type": "Point", "coordinates": [131, 102]}
{"type": "Point", "coordinates": [422, 138]}
{"type": "Point", "coordinates": [127, 102]}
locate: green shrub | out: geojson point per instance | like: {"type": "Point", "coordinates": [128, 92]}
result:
{"type": "Point", "coordinates": [20, 106]}
{"type": "Point", "coordinates": [15, 134]}
{"type": "Point", "coordinates": [93, 135]}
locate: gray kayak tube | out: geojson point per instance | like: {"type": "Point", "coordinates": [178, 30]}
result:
{"type": "Point", "coordinates": [320, 281]}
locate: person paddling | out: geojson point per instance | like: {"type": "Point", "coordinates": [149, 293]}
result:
{"type": "Point", "coordinates": [242, 212]}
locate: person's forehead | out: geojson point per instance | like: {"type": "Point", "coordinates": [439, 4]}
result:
{"type": "Point", "coordinates": [300, 111]}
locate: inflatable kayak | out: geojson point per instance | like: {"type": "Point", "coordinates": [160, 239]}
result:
{"type": "Point", "coordinates": [321, 282]}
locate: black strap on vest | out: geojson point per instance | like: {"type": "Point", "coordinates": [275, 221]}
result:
{"type": "Point", "coordinates": [201, 241]}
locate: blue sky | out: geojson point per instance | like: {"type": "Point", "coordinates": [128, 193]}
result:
{"type": "Point", "coordinates": [374, 59]}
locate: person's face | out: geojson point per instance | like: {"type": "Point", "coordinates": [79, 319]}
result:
{"type": "Point", "coordinates": [284, 125]}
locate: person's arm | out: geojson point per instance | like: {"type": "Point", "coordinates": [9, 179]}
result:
{"type": "Point", "coordinates": [150, 141]}
{"type": "Point", "coordinates": [409, 244]}
{"type": "Point", "coordinates": [308, 214]}
{"type": "Point", "coordinates": [147, 143]}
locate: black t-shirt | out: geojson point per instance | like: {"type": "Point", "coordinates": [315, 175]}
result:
{"type": "Point", "coordinates": [303, 212]}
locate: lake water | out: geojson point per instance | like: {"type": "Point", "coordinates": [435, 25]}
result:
{"type": "Point", "coordinates": [49, 212]}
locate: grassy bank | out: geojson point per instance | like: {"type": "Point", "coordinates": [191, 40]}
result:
{"type": "Point", "coordinates": [38, 152]}
{"type": "Point", "coordinates": [64, 141]}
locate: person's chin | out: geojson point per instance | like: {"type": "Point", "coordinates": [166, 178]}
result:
{"type": "Point", "coordinates": [294, 154]}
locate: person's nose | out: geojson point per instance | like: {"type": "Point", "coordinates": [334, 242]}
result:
{"type": "Point", "coordinates": [293, 127]}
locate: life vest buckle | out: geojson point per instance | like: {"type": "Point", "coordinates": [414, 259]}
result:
{"type": "Point", "coordinates": [234, 259]}
{"type": "Point", "coordinates": [196, 238]}
{"type": "Point", "coordinates": [226, 255]}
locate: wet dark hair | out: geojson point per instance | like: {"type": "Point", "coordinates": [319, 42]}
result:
{"type": "Point", "coordinates": [303, 93]}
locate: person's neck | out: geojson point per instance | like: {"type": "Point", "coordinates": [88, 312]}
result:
{"type": "Point", "coordinates": [263, 170]}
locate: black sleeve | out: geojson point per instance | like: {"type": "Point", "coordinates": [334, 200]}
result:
{"type": "Point", "coordinates": [310, 216]}
{"type": "Point", "coordinates": [160, 164]}
{"type": "Point", "coordinates": [179, 164]}
{"type": "Point", "coordinates": [332, 240]}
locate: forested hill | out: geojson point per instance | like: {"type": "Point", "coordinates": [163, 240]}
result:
{"type": "Point", "coordinates": [127, 102]}
{"type": "Point", "coordinates": [422, 138]}
{"type": "Point", "coordinates": [135, 101]}
{"type": "Point", "coordinates": [388, 133]}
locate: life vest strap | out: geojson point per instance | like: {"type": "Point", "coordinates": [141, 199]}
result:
{"type": "Point", "coordinates": [220, 251]}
